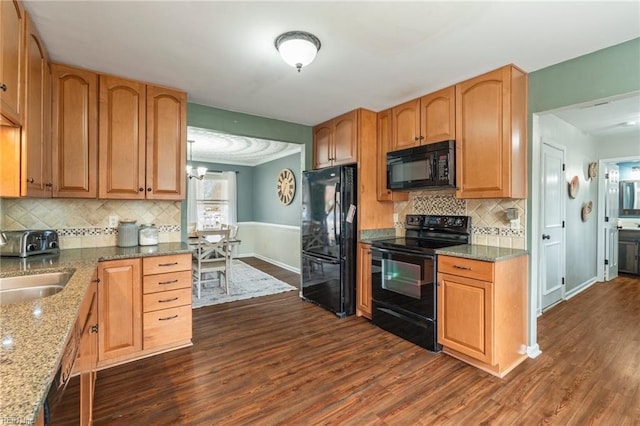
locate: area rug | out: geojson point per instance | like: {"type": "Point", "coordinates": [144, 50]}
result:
{"type": "Point", "coordinates": [245, 282]}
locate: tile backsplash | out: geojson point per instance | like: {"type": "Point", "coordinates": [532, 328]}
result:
{"type": "Point", "coordinates": [488, 217]}
{"type": "Point", "coordinates": [85, 223]}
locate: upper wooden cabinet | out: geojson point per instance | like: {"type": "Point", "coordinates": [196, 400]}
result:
{"type": "Point", "coordinates": [142, 140]}
{"type": "Point", "coordinates": [166, 143]}
{"type": "Point", "coordinates": [384, 146]}
{"type": "Point", "coordinates": [491, 129]}
{"type": "Point", "coordinates": [425, 120]}
{"type": "Point", "coordinates": [36, 129]}
{"type": "Point", "coordinates": [12, 48]}
{"type": "Point", "coordinates": [122, 138]}
{"type": "Point", "coordinates": [75, 132]}
{"type": "Point", "coordinates": [335, 141]}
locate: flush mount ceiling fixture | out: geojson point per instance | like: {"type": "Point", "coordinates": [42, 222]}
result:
{"type": "Point", "coordinates": [192, 173]}
{"type": "Point", "coordinates": [297, 48]}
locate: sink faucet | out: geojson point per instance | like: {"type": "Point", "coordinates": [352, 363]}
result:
{"type": "Point", "coordinates": [3, 239]}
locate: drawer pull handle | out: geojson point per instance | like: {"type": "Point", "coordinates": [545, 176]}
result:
{"type": "Point", "coordinates": [167, 300]}
{"type": "Point", "coordinates": [167, 282]}
{"type": "Point", "coordinates": [466, 268]}
{"type": "Point", "coordinates": [168, 318]}
{"type": "Point", "coordinates": [168, 264]}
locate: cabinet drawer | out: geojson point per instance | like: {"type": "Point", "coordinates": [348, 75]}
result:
{"type": "Point", "coordinates": [164, 282]}
{"type": "Point", "coordinates": [162, 264]}
{"type": "Point", "coordinates": [166, 326]}
{"type": "Point", "coordinates": [166, 299]}
{"type": "Point", "coordinates": [476, 269]}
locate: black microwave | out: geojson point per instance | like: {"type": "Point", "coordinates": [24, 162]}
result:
{"type": "Point", "coordinates": [429, 166]}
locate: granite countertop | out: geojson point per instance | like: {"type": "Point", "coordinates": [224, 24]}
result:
{"type": "Point", "coordinates": [34, 333]}
{"type": "Point", "coordinates": [477, 252]}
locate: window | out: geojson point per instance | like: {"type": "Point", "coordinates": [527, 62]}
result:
{"type": "Point", "coordinates": [212, 200]}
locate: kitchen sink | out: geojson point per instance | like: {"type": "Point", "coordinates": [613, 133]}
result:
{"type": "Point", "coordinates": [30, 287]}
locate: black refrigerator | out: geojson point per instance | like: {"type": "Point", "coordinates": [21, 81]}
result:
{"type": "Point", "coordinates": [329, 238]}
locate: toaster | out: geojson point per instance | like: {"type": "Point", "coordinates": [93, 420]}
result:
{"type": "Point", "coordinates": [29, 242]}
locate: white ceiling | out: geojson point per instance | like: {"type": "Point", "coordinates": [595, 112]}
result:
{"type": "Point", "coordinates": [374, 54]}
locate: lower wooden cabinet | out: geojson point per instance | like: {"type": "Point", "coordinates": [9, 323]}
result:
{"type": "Point", "coordinates": [88, 356]}
{"type": "Point", "coordinates": [483, 311]}
{"type": "Point", "coordinates": [144, 307]}
{"type": "Point", "coordinates": [363, 286]}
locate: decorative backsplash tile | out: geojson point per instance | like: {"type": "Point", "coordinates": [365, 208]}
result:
{"type": "Point", "coordinates": [489, 224]}
{"type": "Point", "coordinates": [84, 223]}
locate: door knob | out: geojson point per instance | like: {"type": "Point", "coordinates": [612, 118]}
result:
{"type": "Point", "coordinates": [546, 237]}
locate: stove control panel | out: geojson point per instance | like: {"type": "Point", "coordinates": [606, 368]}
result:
{"type": "Point", "coordinates": [438, 222]}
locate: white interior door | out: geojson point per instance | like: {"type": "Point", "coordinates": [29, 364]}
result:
{"type": "Point", "coordinates": [551, 241]}
{"type": "Point", "coordinates": [611, 207]}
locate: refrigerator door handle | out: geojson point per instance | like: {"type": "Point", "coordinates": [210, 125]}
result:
{"type": "Point", "coordinates": [336, 206]}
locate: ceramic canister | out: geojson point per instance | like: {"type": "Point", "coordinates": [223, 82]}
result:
{"type": "Point", "coordinates": [127, 233]}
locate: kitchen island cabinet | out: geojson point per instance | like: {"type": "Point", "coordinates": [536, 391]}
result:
{"type": "Point", "coordinates": [482, 311]}
{"type": "Point", "coordinates": [491, 135]}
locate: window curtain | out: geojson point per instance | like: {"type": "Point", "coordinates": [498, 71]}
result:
{"type": "Point", "coordinates": [233, 197]}
{"type": "Point", "coordinates": [192, 209]}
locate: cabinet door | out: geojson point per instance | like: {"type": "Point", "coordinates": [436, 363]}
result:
{"type": "Point", "coordinates": [166, 144]}
{"type": "Point", "coordinates": [465, 316]}
{"type": "Point", "coordinates": [345, 137]}
{"type": "Point", "coordinates": [119, 308]}
{"type": "Point", "coordinates": [36, 156]}
{"type": "Point", "coordinates": [88, 357]}
{"type": "Point", "coordinates": [438, 116]}
{"type": "Point", "coordinates": [122, 138]}
{"type": "Point", "coordinates": [322, 153]}
{"type": "Point", "coordinates": [75, 132]}
{"type": "Point", "coordinates": [405, 125]}
{"type": "Point", "coordinates": [628, 256]}
{"type": "Point", "coordinates": [13, 20]}
{"type": "Point", "coordinates": [363, 289]}
{"type": "Point", "coordinates": [384, 145]}
{"type": "Point", "coordinates": [491, 135]}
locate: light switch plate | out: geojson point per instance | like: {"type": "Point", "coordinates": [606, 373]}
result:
{"type": "Point", "coordinates": [395, 218]}
{"type": "Point", "coordinates": [113, 221]}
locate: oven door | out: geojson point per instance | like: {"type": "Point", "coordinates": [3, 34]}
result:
{"type": "Point", "coordinates": [404, 280]}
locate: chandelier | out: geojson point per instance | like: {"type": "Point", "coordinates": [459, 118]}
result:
{"type": "Point", "coordinates": [197, 173]}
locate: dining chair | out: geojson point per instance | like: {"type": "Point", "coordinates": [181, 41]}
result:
{"type": "Point", "coordinates": [212, 255]}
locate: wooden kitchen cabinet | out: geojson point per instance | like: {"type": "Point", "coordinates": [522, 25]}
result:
{"type": "Point", "coordinates": [36, 129]}
{"type": "Point", "coordinates": [166, 301]}
{"type": "Point", "coordinates": [74, 132]}
{"type": "Point", "coordinates": [364, 306]}
{"type": "Point", "coordinates": [425, 120]}
{"type": "Point", "coordinates": [88, 355]}
{"type": "Point", "coordinates": [491, 130]}
{"type": "Point", "coordinates": [119, 309]}
{"type": "Point", "coordinates": [483, 311]}
{"type": "Point", "coordinates": [383, 147]}
{"type": "Point", "coordinates": [142, 141]}
{"type": "Point", "coordinates": [12, 51]}
{"type": "Point", "coordinates": [335, 141]}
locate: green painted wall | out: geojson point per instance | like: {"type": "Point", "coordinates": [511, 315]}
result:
{"type": "Point", "coordinates": [604, 73]}
{"type": "Point", "coordinates": [251, 125]}
{"type": "Point", "coordinates": [267, 207]}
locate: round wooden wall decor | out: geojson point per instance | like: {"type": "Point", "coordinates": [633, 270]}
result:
{"type": "Point", "coordinates": [286, 186]}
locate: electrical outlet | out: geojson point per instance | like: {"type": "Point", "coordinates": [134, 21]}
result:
{"type": "Point", "coordinates": [113, 221]}
{"type": "Point", "coordinates": [395, 218]}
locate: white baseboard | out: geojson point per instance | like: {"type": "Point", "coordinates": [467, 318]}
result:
{"type": "Point", "coordinates": [582, 287]}
{"type": "Point", "coordinates": [533, 351]}
{"type": "Point", "coordinates": [273, 262]}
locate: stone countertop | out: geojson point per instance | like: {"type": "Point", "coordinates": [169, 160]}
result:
{"type": "Point", "coordinates": [477, 252]}
{"type": "Point", "coordinates": [34, 333]}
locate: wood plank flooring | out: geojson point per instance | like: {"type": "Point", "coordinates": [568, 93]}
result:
{"type": "Point", "coordinates": [280, 361]}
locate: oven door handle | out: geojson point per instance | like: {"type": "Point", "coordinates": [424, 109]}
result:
{"type": "Point", "coordinates": [404, 252]}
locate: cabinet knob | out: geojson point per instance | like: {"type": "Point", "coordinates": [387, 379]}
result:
{"type": "Point", "coordinates": [48, 184]}
{"type": "Point", "coordinates": [148, 189]}
{"type": "Point", "coordinates": [421, 137]}
{"type": "Point", "coordinates": [3, 87]}
{"type": "Point", "coordinates": [416, 138]}
{"type": "Point", "coordinates": [94, 328]}
{"type": "Point", "coordinates": [30, 180]}
{"type": "Point", "coordinates": [140, 189]}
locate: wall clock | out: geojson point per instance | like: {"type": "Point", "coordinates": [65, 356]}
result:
{"type": "Point", "coordinates": [286, 186]}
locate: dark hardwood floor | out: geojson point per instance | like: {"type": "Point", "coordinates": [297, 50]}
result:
{"type": "Point", "coordinates": [278, 360]}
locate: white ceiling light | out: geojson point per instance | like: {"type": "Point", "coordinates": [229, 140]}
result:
{"type": "Point", "coordinates": [191, 173]}
{"type": "Point", "coordinates": [297, 48]}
